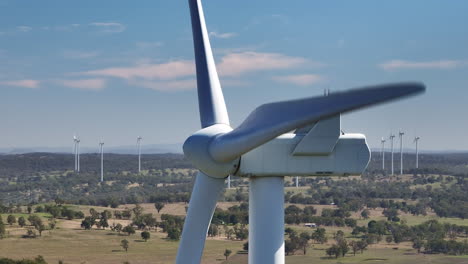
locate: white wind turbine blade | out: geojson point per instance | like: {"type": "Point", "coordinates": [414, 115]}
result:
{"type": "Point", "coordinates": [213, 111]}
{"type": "Point", "coordinates": [210, 96]}
{"type": "Point", "coordinates": [271, 120]}
{"type": "Point", "coordinates": [205, 194]}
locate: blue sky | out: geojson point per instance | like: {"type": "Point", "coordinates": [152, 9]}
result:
{"type": "Point", "coordinates": [119, 69]}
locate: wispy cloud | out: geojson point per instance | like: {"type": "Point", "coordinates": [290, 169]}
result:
{"type": "Point", "coordinates": [76, 54]}
{"type": "Point", "coordinates": [180, 74]}
{"type": "Point", "coordinates": [109, 27]}
{"type": "Point", "coordinates": [85, 84]}
{"type": "Point", "coordinates": [24, 28]}
{"type": "Point", "coordinates": [22, 83]}
{"type": "Point", "coordinates": [226, 35]}
{"type": "Point", "coordinates": [163, 71]}
{"type": "Point", "coordinates": [166, 86]}
{"type": "Point", "coordinates": [300, 79]}
{"type": "Point", "coordinates": [404, 64]}
{"type": "Point", "coordinates": [236, 64]}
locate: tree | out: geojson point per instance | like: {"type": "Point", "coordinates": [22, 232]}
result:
{"type": "Point", "coordinates": [354, 246]}
{"type": "Point", "coordinates": [130, 230]}
{"type": "Point", "coordinates": [365, 213]}
{"type": "Point", "coordinates": [21, 221]}
{"type": "Point", "coordinates": [339, 236]}
{"type": "Point", "coordinates": [418, 244]}
{"type": "Point", "coordinates": [227, 253]}
{"type": "Point", "coordinates": [11, 219]}
{"type": "Point", "coordinates": [88, 223]}
{"type": "Point", "coordinates": [145, 235]}
{"type": "Point", "coordinates": [389, 239]}
{"type": "Point", "coordinates": [344, 248]}
{"type": "Point", "coordinates": [137, 210]}
{"type": "Point", "coordinates": [304, 238]}
{"type": "Point", "coordinates": [173, 233]}
{"type": "Point", "coordinates": [29, 209]}
{"type": "Point", "coordinates": [319, 235]}
{"type": "Point", "coordinates": [334, 250]}
{"type": "Point", "coordinates": [159, 206]}
{"type": "Point", "coordinates": [362, 245]}
{"type": "Point", "coordinates": [2, 228]}
{"type": "Point", "coordinates": [103, 223]}
{"type": "Point", "coordinates": [124, 243]}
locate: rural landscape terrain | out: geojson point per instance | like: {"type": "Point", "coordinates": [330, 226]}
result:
{"type": "Point", "coordinates": [51, 214]}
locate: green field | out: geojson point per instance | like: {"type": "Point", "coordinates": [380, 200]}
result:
{"type": "Point", "coordinates": [72, 244]}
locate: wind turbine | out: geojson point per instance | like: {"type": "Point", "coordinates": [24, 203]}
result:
{"type": "Point", "coordinates": [383, 153]}
{"type": "Point", "coordinates": [400, 135]}
{"type": "Point", "coordinates": [416, 139]}
{"type": "Point", "coordinates": [391, 144]}
{"type": "Point", "coordinates": [139, 153]}
{"type": "Point", "coordinates": [267, 150]}
{"type": "Point", "coordinates": [297, 181]}
{"type": "Point", "coordinates": [75, 152]}
{"type": "Point", "coordinates": [78, 155]}
{"type": "Point", "coordinates": [101, 145]}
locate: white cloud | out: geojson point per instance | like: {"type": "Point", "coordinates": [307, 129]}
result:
{"type": "Point", "coordinates": [300, 79]}
{"type": "Point", "coordinates": [226, 35]}
{"type": "Point", "coordinates": [22, 83]}
{"type": "Point", "coordinates": [236, 64]}
{"type": "Point", "coordinates": [85, 84]}
{"type": "Point", "coordinates": [403, 64]}
{"type": "Point", "coordinates": [180, 74]}
{"type": "Point", "coordinates": [24, 28]}
{"type": "Point", "coordinates": [75, 54]}
{"type": "Point", "coordinates": [167, 86]}
{"type": "Point", "coordinates": [163, 71]}
{"type": "Point", "coordinates": [109, 27]}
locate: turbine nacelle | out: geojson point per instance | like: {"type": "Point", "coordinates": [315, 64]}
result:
{"type": "Point", "coordinates": [197, 150]}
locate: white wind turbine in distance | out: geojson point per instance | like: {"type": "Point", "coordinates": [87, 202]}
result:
{"type": "Point", "coordinates": [400, 135]}
{"type": "Point", "coordinates": [383, 153]}
{"type": "Point", "coordinates": [416, 139]}
{"type": "Point", "coordinates": [139, 152]}
{"type": "Point", "coordinates": [268, 151]}
{"type": "Point", "coordinates": [75, 151]}
{"type": "Point", "coordinates": [392, 137]}
{"type": "Point", "coordinates": [101, 145]}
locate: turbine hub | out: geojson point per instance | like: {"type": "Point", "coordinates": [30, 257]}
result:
{"type": "Point", "coordinates": [197, 150]}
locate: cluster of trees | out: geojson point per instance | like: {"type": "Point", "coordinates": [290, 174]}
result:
{"type": "Point", "coordinates": [238, 214]}
{"type": "Point", "coordinates": [430, 235]}
{"type": "Point", "coordinates": [37, 260]}
{"type": "Point", "coordinates": [296, 242]}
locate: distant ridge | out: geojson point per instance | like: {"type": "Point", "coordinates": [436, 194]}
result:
{"type": "Point", "coordinates": [145, 149]}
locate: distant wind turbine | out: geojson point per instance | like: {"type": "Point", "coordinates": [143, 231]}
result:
{"type": "Point", "coordinates": [416, 139]}
{"type": "Point", "coordinates": [383, 153]}
{"type": "Point", "coordinates": [139, 153]}
{"type": "Point", "coordinates": [400, 135]}
{"type": "Point", "coordinates": [391, 146]}
{"type": "Point", "coordinates": [101, 144]}
{"type": "Point", "coordinates": [78, 154]}
{"type": "Point", "coordinates": [75, 151]}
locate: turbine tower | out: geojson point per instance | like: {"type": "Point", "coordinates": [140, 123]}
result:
{"type": "Point", "coordinates": [78, 154]}
{"type": "Point", "coordinates": [392, 136]}
{"type": "Point", "coordinates": [400, 135]}
{"type": "Point", "coordinates": [383, 153]}
{"type": "Point", "coordinates": [139, 153]}
{"type": "Point", "coordinates": [416, 139]}
{"type": "Point", "coordinates": [267, 148]}
{"type": "Point", "coordinates": [75, 151]}
{"type": "Point", "coordinates": [297, 181]}
{"type": "Point", "coordinates": [101, 145]}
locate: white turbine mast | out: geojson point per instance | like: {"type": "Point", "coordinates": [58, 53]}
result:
{"type": "Point", "coordinates": [139, 153]}
{"type": "Point", "coordinates": [75, 151]}
{"type": "Point", "coordinates": [416, 139]}
{"type": "Point", "coordinates": [400, 135]}
{"type": "Point", "coordinates": [383, 153]}
{"type": "Point", "coordinates": [101, 145]}
{"type": "Point", "coordinates": [78, 154]}
{"type": "Point", "coordinates": [268, 149]}
{"type": "Point", "coordinates": [392, 137]}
